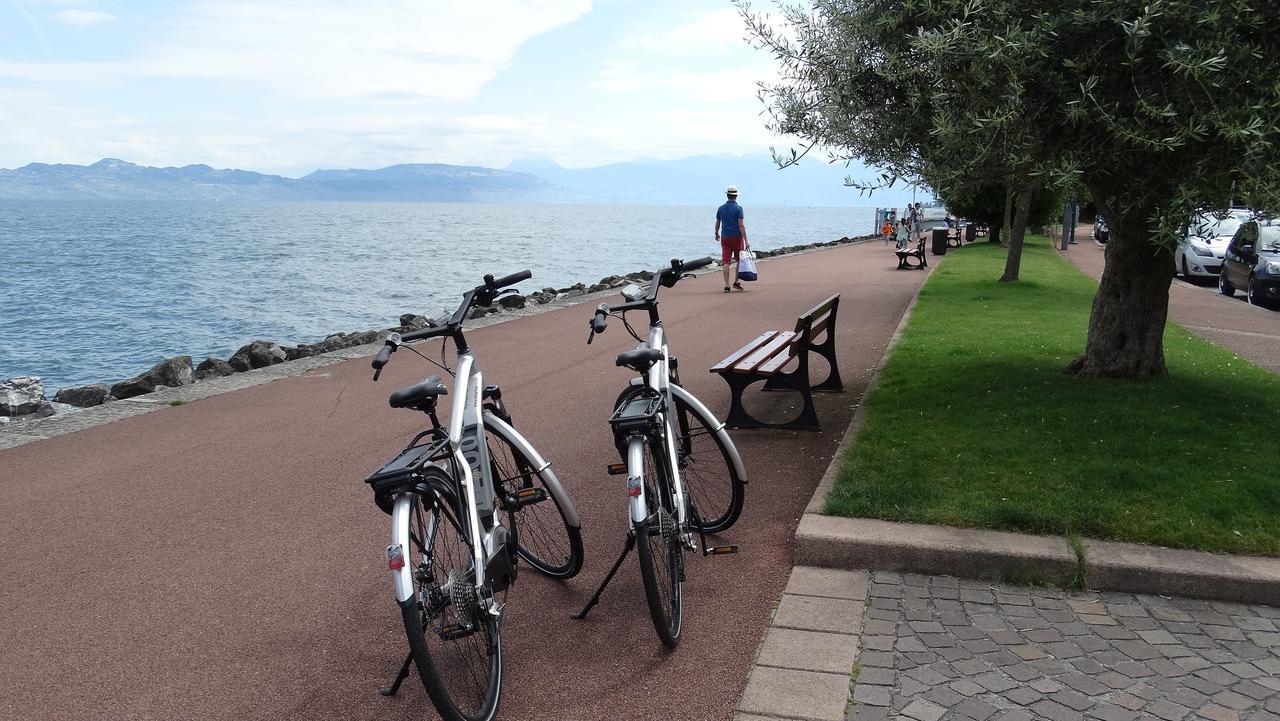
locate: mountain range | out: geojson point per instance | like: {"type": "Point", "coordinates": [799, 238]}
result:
{"type": "Point", "coordinates": [692, 180]}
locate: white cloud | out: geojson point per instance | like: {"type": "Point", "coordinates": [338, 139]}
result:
{"type": "Point", "coordinates": [327, 49]}
{"type": "Point", "coordinates": [84, 18]}
{"type": "Point", "coordinates": [289, 86]}
{"type": "Point", "coordinates": [709, 32]}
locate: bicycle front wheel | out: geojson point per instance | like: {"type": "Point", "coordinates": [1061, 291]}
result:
{"type": "Point", "coordinates": [710, 478]}
{"type": "Point", "coordinates": [659, 548]}
{"type": "Point", "coordinates": [455, 642]}
{"type": "Point", "coordinates": [544, 535]}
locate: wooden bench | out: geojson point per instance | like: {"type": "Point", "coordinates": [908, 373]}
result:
{"type": "Point", "coordinates": [766, 356]}
{"type": "Point", "coordinates": [955, 238]}
{"type": "Point", "coordinates": [905, 255]}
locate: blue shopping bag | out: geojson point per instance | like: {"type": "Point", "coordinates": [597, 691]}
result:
{"type": "Point", "coordinates": [747, 266]}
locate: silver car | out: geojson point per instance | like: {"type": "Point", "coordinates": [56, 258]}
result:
{"type": "Point", "coordinates": [1200, 251]}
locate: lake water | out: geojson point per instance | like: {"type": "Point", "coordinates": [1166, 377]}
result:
{"type": "Point", "coordinates": [99, 291]}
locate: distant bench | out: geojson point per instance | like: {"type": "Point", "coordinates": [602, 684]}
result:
{"type": "Point", "coordinates": [764, 358]}
{"type": "Point", "coordinates": [905, 255]}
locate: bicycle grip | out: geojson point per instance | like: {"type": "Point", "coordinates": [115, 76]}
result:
{"type": "Point", "coordinates": [512, 279]}
{"type": "Point", "coordinates": [384, 355]}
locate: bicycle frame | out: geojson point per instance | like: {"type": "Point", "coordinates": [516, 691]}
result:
{"type": "Point", "coordinates": [660, 380]}
{"type": "Point", "coordinates": [471, 461]}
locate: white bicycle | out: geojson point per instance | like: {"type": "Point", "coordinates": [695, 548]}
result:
{"type": "Point", "coordinates": [467, 500]}
{"type": "Point", "coordinates": [684, 474]}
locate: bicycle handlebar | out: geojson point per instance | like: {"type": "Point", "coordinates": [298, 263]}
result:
{"type": "Point", "coordinates": [482, 294]}
{"type": "Point", "coordinates": [666, 277]}
{"type": "Point", "coordinates": [696, 264]}
{"type": "Point", "coordinates": [506, 280]}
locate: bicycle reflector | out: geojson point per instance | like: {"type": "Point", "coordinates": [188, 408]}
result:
{"type": "Point", "coordinates": [395, 557]}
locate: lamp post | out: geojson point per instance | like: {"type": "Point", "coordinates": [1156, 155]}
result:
{"type": "Point", "coordinates": [1070, 215]}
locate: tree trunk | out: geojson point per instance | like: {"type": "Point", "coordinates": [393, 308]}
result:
{"type": "Point", "coordinates": [1013, 262]}
{"type": "Point", "coordinates": [1126, 328]}
{"type": "Point", "coordinates": [1008, 213]}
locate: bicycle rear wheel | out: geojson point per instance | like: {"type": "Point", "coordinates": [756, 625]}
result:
{"type": "Point", "coordinates": [659, 548]}
{"type": "Point", "coordinates": [455, 642]}
{"type": "Point", "coordinates": [545, 538]}
{"type": "Point", "coordinates": [710, 478]}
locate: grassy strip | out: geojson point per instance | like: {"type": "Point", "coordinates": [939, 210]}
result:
{"type": "Point", "coordinates": [974, 423]}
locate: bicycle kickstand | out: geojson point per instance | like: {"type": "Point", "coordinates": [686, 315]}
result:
{"type": "Point", "coordinates": [595, 598]}
{"type": "Point", "coordinates": [400, 677]}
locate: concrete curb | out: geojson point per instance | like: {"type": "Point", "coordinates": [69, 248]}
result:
{"type": "Point", "coordinates": [875, 545]}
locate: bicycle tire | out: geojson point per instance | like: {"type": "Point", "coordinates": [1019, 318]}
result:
{"type": "Point", "coordinates": [545, 539]}
{"type": "Point", "coordinates": [717, 493]}
{"type": "Point", "coordinates": [660, 550]}
{"type": "Point", "coordinates": [461, 675]}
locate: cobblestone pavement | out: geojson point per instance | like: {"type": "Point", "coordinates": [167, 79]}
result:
{"type": "Point", "coordinates": [941, 648]}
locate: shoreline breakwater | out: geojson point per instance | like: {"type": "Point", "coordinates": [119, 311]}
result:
{"type": "Point", "coordinates": [23, 398]}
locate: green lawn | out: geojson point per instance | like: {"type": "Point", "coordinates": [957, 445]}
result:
{"type": "Point", "coordinates": [974, 423]}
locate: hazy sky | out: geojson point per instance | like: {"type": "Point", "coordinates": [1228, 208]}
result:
{"type": "Point", "coordinates": [288, 86]}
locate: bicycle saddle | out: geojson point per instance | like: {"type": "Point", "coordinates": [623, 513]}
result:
{"type": "Point", "coordinates": [639, 360]}
{"type": "Point", "coordinates": [422, 394]}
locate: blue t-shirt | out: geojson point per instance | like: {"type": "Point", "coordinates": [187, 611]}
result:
{"type": "Point", "coordinates": [729, 214]}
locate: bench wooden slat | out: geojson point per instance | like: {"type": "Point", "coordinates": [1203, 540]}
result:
{"type": "Point", "coordinates": [816, 329]}
{"type": "Point", "coordinates": [724, 365]}
{"type": "Point", "coordinates": [823, 307]}
{"type": "Point", "coordinates": [783, 341]}
{"type": "Point", "coordinates": [776, 363]}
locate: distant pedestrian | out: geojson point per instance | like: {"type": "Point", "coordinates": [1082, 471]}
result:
{"type": "Point", "coordinates": [731, 231]}
{"type": "Point", "coordinates": [904, 232]}
{"type": "Point", "coordinates": [886, 230]}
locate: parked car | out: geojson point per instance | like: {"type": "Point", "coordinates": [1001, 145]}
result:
{"type": "Point", "coordinates": [1100, 230]}
{"type": "Point", "coordinates": [1252, 263]}
{"type": "Point", "coordinates": [1204, 243]}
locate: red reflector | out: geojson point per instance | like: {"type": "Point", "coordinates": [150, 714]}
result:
{"type": "Point", "coordinates": [396, 563]}
{"type": "Point", "coordinates": [634, 492]}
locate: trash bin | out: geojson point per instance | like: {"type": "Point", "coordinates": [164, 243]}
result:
{"type": "Point", "coordinates": [939, 241]}
{"type": "Point", "coordinates": [970, 233]}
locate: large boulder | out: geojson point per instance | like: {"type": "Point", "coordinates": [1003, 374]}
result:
{"type": "Point", "coordinates": [512, 302]}
{"type": "Point", "coordinates": [171, 372]}
{"type": "Point", "coordinates": [413, 321]}
{"type": "Point", "coordinates": [84, 396]}
{"type": "Point", "coordinates": [258, 354]}
{"type": "Point", "coordinates": [213, 368]}
{"type": "Point", "coordinates": [21, 395]}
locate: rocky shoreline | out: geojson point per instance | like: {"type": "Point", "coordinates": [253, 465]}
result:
{"type": "Point", "coordinates": [23, 398]}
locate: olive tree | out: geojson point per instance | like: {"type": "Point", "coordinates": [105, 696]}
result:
{"type": "Point", "coordinates": [984, 203]}
{"type": "Point", "coordinates": [1158, 109]}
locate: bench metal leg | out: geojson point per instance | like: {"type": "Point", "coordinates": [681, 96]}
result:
{"type": "Point", "coordinates": [738, 417]}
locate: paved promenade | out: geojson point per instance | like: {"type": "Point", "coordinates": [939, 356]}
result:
{"type": "Point", "coordinates": [223, 560]}
{"type": "Point", "coordinates": [1250, 331]}
{"type": "Point", "coordinates": [849, 645]}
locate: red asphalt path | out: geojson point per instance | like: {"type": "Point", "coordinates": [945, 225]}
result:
{"type": "Point", "coordinates": [1232, 323]}
{"type": "Point", "coordinates": [223, 559]}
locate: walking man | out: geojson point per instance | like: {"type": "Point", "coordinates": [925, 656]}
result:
{"type": "Point", "coordinates": [731, 231]}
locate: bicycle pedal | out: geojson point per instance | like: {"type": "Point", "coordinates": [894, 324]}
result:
{"type": "Point", "coordinates": [455, 631]}
{"type": "Point", "coordinates": [721, 550]}
{"type": "Point", "coordinates": [526, 497]}
{"type": "Point", "coordinates": [617, 469]}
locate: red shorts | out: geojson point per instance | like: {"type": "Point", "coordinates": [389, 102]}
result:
{"type": "Point", "coordinates": [730, 246]}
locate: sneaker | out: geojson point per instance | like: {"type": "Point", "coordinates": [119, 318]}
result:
{"type": "Point", "coordinates": [726, 289]}
{"type": "Point", "coordinates": [738, 286]}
